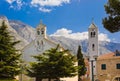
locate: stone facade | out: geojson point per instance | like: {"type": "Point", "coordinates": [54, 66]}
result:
{"type": "Point", "coordinates": [108, 67]}
{"type": "Point", "coordinates": [39, 46]}
{"type": "Point", "coordinates": [93, 51]}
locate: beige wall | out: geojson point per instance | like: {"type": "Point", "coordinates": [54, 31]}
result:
{"type": "Point", "coordinates": [111, 71]}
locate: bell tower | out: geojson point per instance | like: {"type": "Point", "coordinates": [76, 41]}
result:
{"type": "Point", "coordinates": [93, 52]}
{"type": "Point", "coordinates": [93, 41]}
{"type": "Point", "coordinates": [41, 30]}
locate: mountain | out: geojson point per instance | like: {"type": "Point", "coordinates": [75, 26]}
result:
{"type": "Point", "coordinates": [26, 34]}
{"type": "Point", "coordinates": [25, 31]}
{"type": "Point", "coordinates": [14, 33]}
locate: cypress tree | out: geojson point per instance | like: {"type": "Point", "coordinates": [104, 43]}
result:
{"type": "Point", "coordinates": [9, 56]}
{"type": "Point", "coordinates": [81, 63]}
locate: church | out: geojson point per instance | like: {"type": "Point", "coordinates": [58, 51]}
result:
{"type": "Point", "coordinates": [43, 43]}
{"type": "Point", "coordinates": [39, 46]}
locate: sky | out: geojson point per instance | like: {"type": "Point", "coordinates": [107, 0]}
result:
{"type": "Point", "coordinates": [70, 18]}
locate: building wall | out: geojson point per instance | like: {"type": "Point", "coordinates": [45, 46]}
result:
{"type": "Point", "coordinates": [31, 50]}
{"type": "Point", "coordinates": [111, 72]}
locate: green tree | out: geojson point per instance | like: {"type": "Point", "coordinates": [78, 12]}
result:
{"type": "Point", "coordinates": [81, 64]}
{"type": "Point", "coordinates": [112, 22]}
{"type": "Point", "coordinates": [9, 56]}
{"type": "Point", "coordinates": [53, 64]}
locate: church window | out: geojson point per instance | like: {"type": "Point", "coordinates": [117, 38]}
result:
{"type": "Point", "coordinates": [117, 79]}
{"type": "Point", "coordinates": [93, 47]}
{"type": "Point", "coordinates": [38, 32]}
{"type": "Point", "coordinates": [42, 32]}
{"type": "Point", "coordinates": [103, 66]}
{"type": "Point", "coordinates": [93, 34]}
{"type": "Point", "coordinates": [118, 66]}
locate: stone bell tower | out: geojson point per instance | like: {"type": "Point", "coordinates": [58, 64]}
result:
{"type": "Point", "coordinates": [93, 41]}
{"type": "Point", "coordinates": [41, 31]}
{"type": "Point", "coordinates": [93, 50]}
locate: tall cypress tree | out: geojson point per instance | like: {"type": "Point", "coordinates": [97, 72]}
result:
{"type": "Point", "coordinates": [81, 63]}
{"type": "Point", "coordinates": [9, 56]}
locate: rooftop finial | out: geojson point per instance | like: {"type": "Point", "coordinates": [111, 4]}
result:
{"type": "Point", "coordinates": [92, 19]}
{"type": "Point", "coordinates": [41, 21]}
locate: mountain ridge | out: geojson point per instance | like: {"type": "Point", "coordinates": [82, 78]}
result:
{"type": "Point", "coordinates": [26, 34]}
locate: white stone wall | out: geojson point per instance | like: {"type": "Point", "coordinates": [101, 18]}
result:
{"type": "Point", "coordinates": [31, 50]}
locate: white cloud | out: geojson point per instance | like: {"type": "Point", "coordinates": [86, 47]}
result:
{"type": "Point", "coordinates": [10, 1]}
{"type": "Point", "coordinates": [103, 37]}
{"type": "Point", "coordinates": [44, 9]}
{"type": "Point", "coordinates": [42, 4]}
{"type": "Point", "coordinates": [49, 2]}
{"type": "Point", "coordinates": [79, 35]}
{"type": "Point", "coordinates": [15, 4]}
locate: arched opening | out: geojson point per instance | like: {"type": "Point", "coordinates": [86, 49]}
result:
{"type": "Point", "coordinates": [38, 32]}
{"type": "Point", "coordinates": [116, 78]}
{"type": "Point", "coordinates": [93, 47]}
{"type": "Point", "coordinates": [93, 34]}
{"type": "Point", "coordinates": [42, 32]}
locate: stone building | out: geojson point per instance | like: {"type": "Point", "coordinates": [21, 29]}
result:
{"type": "Point", "coordinates": [93, 50]}
{"type": "Point", "coordinates": [39, 46]}
{"type": "Point", "coordinates": [108, 67]}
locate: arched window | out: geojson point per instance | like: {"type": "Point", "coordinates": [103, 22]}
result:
{"type": "Point", "coordinates": [93, 47]}
{"type": "Point", "coordinates": [117, 79]}
{"type": "Point", "coordinates": [93, 34]}
{"type": "Point", "coordinates": [42, 32]}
{"type": "Point", "coordinates": [38, 32]}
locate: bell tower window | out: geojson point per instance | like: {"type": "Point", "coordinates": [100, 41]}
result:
{"type": "Point", "coordinates": [91, 34]}
{"type": "Point", "coordinates": [93, 47]}
{"type": "Point", "coordinates": [42, 32]}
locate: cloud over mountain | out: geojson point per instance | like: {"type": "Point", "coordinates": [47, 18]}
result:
{"type": "Point", "coordinates": [78, 35]}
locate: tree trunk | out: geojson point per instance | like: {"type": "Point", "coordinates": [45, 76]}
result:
{"type": "Point", "coordinates": [49, 79]}
{"type": "Point", "coordinates": [57, 79]}
{"type": "Point", "coordinates": [79, 78]}
{"type": "Point", "coordinates": [38, 79]}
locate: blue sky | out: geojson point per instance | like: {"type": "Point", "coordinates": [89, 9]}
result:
{"type": "Point", "coordinates": [69, 16]}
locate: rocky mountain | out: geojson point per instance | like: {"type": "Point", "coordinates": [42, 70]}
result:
{"type": "Point", "coordinates": [26, 34]}
{"type": "Point", "coordinates": [14, 33]}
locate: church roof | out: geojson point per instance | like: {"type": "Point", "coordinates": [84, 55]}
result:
{"type": "Point", "coordinates": [92, 26]}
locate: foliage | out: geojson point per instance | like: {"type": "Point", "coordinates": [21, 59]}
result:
{"type": "Point", "coordinates": [8, 80]}
{"type": "Point", "coordinates": [9, 56]}
{"type": "Point", "coordinates": [112, 22]}
{"type": "Point", "coordinates": [53, 64]}
{"type": "Point", "coordinates": [81, 63]}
